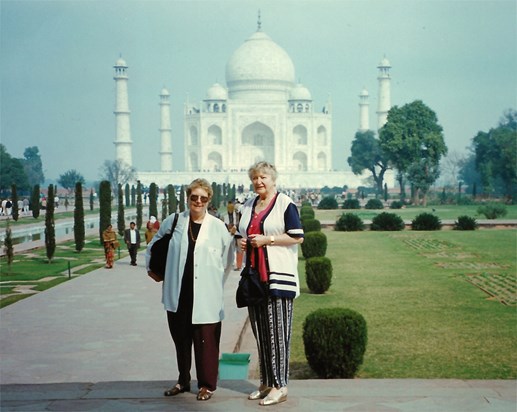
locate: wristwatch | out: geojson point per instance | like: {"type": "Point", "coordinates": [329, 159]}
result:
{"type": "Point", "coordinates": [272, 238]}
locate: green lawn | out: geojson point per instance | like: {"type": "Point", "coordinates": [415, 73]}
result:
{"type": "Point", "coordinates": [409, 213]}
{"type": "Point", "coordinates": [425, 320]}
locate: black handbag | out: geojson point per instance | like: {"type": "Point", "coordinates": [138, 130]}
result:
{"type": "Point", "coordinates": [159, 251]}
{"type": "Point", "coordinates": [251, 290]}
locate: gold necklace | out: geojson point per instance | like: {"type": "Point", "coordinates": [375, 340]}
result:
{"type": "Point", "coordinates": [190, 231]}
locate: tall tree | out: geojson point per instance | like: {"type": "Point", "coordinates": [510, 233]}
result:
{"type": "Point", "coordinates": [126, 195]}
{"type": "Point", "coordinates": [423, 174]}
{"type": "Point", "coordinates": [50, 230]}
{"type": "Point", "coordinates": [117, 171]}
{"type": "Point", "coordinates": [92, 199]}
{"type": "Point", "coordinates": [182, 199]}
{"type": "Point", "coordinates": [104, 207]}
{"type": "Point", "coordinates": [8, 246]}
{"type": "Point", "coordinates": [121, 223]}
{"type": "Point", "coordinates": [34, 203]}
{"type": "Point", "coordinates": [367, 154]}
{"type": "Point", "coordinates": [14, 199]}
{"type": "Point", "coordinates": [79, 233]}
{"type": "Point", "coordinates": [139, 205]}
{"type": "Point", "coordinates": [164, 205]}
{"type": "Point", "coordinates": [411, 134]}
{"type": "Point", "coordinates": [33, 166]}
{"type": "Point", "coordinates": [153, 196]}
{"type": "Point", "coordinates": [133, 195]}
{"type": "Point", "coordinates": [69, 179]}
{"type": "Point", "coordinates": [172, 201]}
{"type": "Point", "coordinates": [11, 172]}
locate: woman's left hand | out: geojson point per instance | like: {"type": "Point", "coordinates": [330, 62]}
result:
{"type": "Point", "coordinates": [258, 240]}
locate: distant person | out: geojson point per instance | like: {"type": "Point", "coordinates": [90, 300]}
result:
{"type": "Point", "coordinates": [132, 239]}
{"type": "Point", "coordinates": [8, 207]}
{"type": "Point", "coordinates": [109, 237]}
{"type": "Point", "coordinates": [230, 208]}
{"type": "Point", "coordinates": [26, 206]}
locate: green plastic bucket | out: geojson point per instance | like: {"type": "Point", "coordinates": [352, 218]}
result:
{"type": "Point", "coordinates": [234, 366]}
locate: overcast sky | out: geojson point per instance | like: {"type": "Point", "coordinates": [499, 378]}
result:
{"type": "Point", "coordinates": [57, 89]}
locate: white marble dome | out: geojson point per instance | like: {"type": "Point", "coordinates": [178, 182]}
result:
{"type": "Point", "coordinates": [120, 63]}
{"type": "Point", "coordinates": [300, 92]}
{"type": "Point", "coordinates": [259, 66]}
{"type": "Point", "coordinates": [216, 92]}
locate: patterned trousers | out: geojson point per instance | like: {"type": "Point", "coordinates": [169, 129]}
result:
{"type": "Point", "coordinates": [272, 325]}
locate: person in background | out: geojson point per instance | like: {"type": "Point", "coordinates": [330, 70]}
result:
{"type": "Point", "coordinates": [271, 224]}
{"type": "Point", "coordinates": [132, 239]}
{"type": "Point", "coordinates": [230, 209]}
{"type": "Point", "coordinates": [192, 292]}
{"type": "Point", "coordinates": [109, 237]}
{"type": "Point", "coordinates": [149, 233]}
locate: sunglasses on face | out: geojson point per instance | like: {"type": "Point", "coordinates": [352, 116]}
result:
{"type": "Point", "coordinates": [194, 198]}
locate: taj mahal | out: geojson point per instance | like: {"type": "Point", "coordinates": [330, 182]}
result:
{"type": "Point", "coordinates": [261, 113]}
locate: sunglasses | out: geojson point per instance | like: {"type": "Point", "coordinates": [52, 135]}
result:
{"type": "Point", "coordinates": [195, 198]}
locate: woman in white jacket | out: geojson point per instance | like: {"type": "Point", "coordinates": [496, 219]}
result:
{"type": "Point", "coordinates": [193, 288]}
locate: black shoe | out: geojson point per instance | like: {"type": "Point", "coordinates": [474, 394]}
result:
{"type": "Point", "coordinates": [176, 390]}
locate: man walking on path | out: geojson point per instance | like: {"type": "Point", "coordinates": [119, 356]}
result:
{"type": "Point", "coordinates": [132, 239]}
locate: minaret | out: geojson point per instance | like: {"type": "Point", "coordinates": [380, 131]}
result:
{"type": "Point", "coordinates": [123, 138]}
{"type": "Point", "coordinates": [364, 108]}
{"type": "Point", "coordinates": [384, 91]}
{"type": "Point", "coordinates": [165, 132]}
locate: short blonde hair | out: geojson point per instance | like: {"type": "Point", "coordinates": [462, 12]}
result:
{"type": "Point", "coordinates": [203, 184]}
{"type": "Point", "coordinates": [263, 167]}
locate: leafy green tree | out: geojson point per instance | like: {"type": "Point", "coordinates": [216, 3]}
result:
{"type": "Point", "coordinates": [411, 134]}
{"type": "Point", "coordinates": [35, 201]}
{"type": "Point", "coordinates": [139, 205]}
{"type": "Point", "coordinates": [133, 195]}
{"type": "Point", "coordinates": [153, 196]}
{"type": "Point", "coordinates": [117, 171]}
{"type": "Point", "coordinates": [33, 166]}
{"type": "Point", "coordinates": [423, 174]}
{"type": "Point", "coordinates": [8, 246]}
{"type": "Point", "coordinates": [69, 179]}
{"type": "Point", "coordinates": [79, 232]}
{"type": "Point", "coordinates": [14, 199]}
{"type": "Point", "coordinates": [104, 207]}
{"type": "Point", "coordinates": [50, 230]}
{"type": "Point", "coordinates": [11, 172]}
{"type": "Point", "coordinates": [367, 154]}
{"type": "Point", "coordinates": [126, 194]}
{"type": "Point", "coordinates": [121, 224]}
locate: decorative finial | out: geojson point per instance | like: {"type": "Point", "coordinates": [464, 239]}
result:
{"type": "Point", "coordinates": [259, 23]}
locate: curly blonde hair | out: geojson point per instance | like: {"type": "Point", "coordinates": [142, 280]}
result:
{"type": "Point", "coordinates": [263, 167]}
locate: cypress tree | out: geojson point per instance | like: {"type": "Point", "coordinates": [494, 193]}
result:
{"type": "Point", "coordinates": [79, 218]}
{"type": "Point", "coordinates": [164, 205]}
{"type": "Point", "coordinates": [50, 230]}
{"type": "Point", "coordinates": [8, 246]}
{"type": "Point", "coordinates": [35, 201]}
{"type": "Point", "coordinates": [121, 224]}
{"type": "Point", "coordinates": [91, 199]}
{"type": "Point", "coordinates": [139, 205]}
{"type": "Point", "coordinates": [182, 199]}
{"type": "Point", "coordinates": [171, 196]}
{"type": "Point", "coordinates": [133, 195]}
{"type": "Point", "coordinates": [153, 195]}
{"type": "Point", "coordinates": [126, 194]}
{"type": "Point", "coordinates": [14, 198]}
{"type": "Point", "coordinates": [104, 207]}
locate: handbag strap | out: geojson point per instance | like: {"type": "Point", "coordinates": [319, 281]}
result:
{"type": "Point", "coordinates": [174, 223]}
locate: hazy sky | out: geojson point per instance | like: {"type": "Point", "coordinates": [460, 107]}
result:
{"type": "Point", "coordinates": [58, 93]}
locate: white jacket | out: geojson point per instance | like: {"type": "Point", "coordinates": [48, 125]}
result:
{"type": "Point", "coordinates": [211, 261]}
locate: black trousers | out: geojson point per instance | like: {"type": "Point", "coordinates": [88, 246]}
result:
{"type": "Point", "coordinates": [132, 252]}
{"type": "Point", "coordinates": [206, 338]}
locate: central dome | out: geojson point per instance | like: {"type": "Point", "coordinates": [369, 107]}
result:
{"type": "Point", "coordinates": [259, 66]}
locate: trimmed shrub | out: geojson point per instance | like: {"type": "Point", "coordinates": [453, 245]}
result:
{"type": "Point", "coordinates": [349, 222]}
{"type": "Point", "coordinates": [351, 204]}
{"type": "Point", "coordinates": [465, 223]}
{"type": "Point", "coordinates": [311, 225]}
{"type": "Point", "coordinates": [396, 204]}
{"type": "Point", "coordinates": [426, 221]}
{"type": "Point", "coordinates": [493, 210]}
{"type": "Point", "coordinates": [307, 212]}
{"type": "Point", "coordinates": [387, 221]}
{"type": "Point", "coordinates": [374, 204]}
{"type": "Point", "coordinates": [335, 341]}
{"type": "Point", "coordinates": [306, 203]}
{"type": "Point", "coordinates": [314, 244]}
{"type": "Point", "coordinates": [328, 203]}
{"type": "Point", "coordinates": [318, 274]}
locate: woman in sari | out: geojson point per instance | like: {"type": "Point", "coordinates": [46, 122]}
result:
{"type": "Point", "coordinates": [109, 238]}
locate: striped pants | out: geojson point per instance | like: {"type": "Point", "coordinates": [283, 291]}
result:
{"type": "Point", "coordinates": [272, 325]}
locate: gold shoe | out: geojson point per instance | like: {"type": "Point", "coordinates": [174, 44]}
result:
{"type": "Point", "coordinates": [261, 393]}
{"type": "Point", "coordinates": [274, 397]}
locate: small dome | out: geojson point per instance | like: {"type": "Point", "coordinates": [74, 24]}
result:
{"type": "Point", "coordinates": [384, 63]}
{"type": "Point", "coordinates": [364, 93]}
{"type": "Point", "coordinates": [121, 62]}
{"type": "Point", "coordinates": [164, 92]}
{"type": "Point", "coordinates": [300, 92]}
{"type": "Point", "coordinates": [216, 92]}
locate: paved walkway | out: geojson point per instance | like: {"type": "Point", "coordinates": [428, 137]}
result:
{"type": "Point", "coordinates": [100, 343]}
